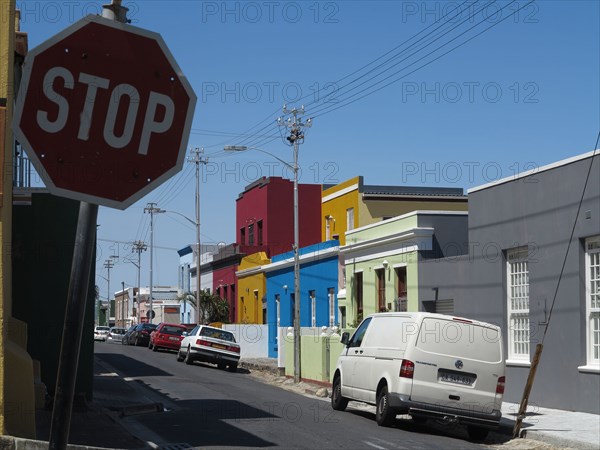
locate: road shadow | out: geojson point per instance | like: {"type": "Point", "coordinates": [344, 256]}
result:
{"type": "Point", "coordinates": [210, 422]}
{"type": "Point", "coordinates": [132, 367]}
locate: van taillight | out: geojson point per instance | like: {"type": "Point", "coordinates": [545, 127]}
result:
{"type": "Point", "coordinates": [407, 369]}
{"type": "Point", "coordinates": [500, 385]}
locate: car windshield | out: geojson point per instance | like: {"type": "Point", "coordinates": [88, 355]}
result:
{"type": "Point", "coordinates": [171, 329]}
{"type": "Point", "coordinates": [149, 326]}
{"type": "Point", "coordinates": [102, 329]}
{"type": "Point", "coordinates": [118, 331]}
{"type": "Point", "coordinates": [217, 334]}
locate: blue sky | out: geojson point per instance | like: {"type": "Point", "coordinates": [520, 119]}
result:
{"type": "Point", "coordinates": [520, 95]}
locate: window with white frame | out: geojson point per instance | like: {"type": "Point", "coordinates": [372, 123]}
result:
{"type": "Point", "coordinates": [350, 219]}
{"type": "Point", "coordinates": [518, 304]}
{"type": "Point", "coordinates": [331, 298]}
{"type": "Point", "coordinates": [313, 308]}
{"type": "Point", "coordinates": [592, 297]}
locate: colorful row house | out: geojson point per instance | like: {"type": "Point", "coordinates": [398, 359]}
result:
{"type": "Point", "coordinates": [319, 268]}
{"type": "Point", "coordinates": [382, 261]}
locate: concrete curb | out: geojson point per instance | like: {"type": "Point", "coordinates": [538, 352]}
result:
{"type": "Point", "coordinates": [553, 439]}
{"type": "Point", "coordinates": [260, 367]}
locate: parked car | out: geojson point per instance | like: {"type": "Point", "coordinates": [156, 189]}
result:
{"type": "Point", "coordinates": [125, 340]}
{"type": "Point", "coordinates": [115, 334]}
{"type": "Point", "coordinates": [209, 344]}
{"type": "Point", "coordinates": [430, 366]}
{"type": "Point", "coordinates": [100, 333]}
{"type": "Point", "coordinates": [166, 335]}
{"type": "Point", "coordinates": [140, 335]}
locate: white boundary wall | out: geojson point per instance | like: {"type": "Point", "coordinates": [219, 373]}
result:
{"type": "Point", "coordinates": [253, 339]}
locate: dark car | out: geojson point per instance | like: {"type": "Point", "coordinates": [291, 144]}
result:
{"type": "Point", "coordinates": [125, 340]}
{"type": "Point", "coordinates": [140, 335]}
{"type": "Point", "coordinates": [167, 336]}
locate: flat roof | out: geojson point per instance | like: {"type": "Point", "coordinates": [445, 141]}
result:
{"type": "Point", "coordinates": [535, 171]}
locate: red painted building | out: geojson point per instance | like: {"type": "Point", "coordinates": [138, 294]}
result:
{"type": "Point", "coordinates": [224, 266]}
{"type": "Point", "coordinates": [265, 216]}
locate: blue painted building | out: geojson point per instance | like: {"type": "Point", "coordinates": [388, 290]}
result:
{"type": "Point", "coordinates": [318, 289]}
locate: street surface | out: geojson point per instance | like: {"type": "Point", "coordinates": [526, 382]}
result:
{"type": "Point", "coordinates": [208, 407]}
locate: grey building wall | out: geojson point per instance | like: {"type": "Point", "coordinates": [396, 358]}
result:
{"type": "Point", "coordinates": [538, 211]}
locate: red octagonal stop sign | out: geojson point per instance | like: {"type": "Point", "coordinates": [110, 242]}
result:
{"type": "Point", "coordinates": [104, 112]}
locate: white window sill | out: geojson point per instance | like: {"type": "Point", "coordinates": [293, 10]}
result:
{"type": "Point", "coordinates": [590, 369]}
{"type": "Point", "coordinates": [518, 362]}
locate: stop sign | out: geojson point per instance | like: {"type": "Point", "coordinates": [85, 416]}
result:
{"type": "Point", "coordinates": [104, 112]}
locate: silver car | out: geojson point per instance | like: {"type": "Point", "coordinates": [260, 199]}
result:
{"type": "Point", "coordinates": [101, 333]}
{"type": "Point", "coordinates": [212, 345]}
{"type": "Point", "coordinates": [116, 334]}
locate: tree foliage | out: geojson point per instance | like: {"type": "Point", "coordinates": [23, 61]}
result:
{"type": "Point", "coordinates": [211, 308]}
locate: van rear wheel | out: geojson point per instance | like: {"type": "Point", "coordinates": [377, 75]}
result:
{"type": "Point", "coordinates": [385, 414]}
{"type": "Point", "coordinates": [477, 434]}
{"type": "Point", "coordinates": [338, 402]}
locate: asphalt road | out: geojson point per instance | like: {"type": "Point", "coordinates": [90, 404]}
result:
{"type": "Point", "coordinates": [208, 407]}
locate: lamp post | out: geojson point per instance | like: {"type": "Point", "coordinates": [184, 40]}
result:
{"type": "Point", "coordinates": [152, 209]}
{"type": "Point", "coordinates": [294, 168]}
{"type": "Point", "coordinates": [196, 223]}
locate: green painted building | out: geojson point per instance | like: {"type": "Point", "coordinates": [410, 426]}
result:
{"type": "Point", "coordinates": [382, 261]}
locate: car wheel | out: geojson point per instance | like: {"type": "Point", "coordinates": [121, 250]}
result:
{"type": "Point", "coordinates": [338, 401]}
{"type": "Point", "coordinates": [384, 415]}
{"type": "Point", "coordinates": [222, 366]}
{"type": "Point", "coordinates": [179, 356]}
{"type": "Point", "coordinates": [477, 434]}
{"type": "Point", "coordinates": [232, 367]}
{"type": "Point", "coordinates": [188, 357]}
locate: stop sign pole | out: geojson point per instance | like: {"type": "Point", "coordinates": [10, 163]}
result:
{"type": "Point", "coordinates": [75, 310]}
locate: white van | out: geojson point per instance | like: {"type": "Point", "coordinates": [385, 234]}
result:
{"type": "Point", "coordinates": [426, 365]}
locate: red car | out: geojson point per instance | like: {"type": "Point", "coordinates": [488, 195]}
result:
{"type": "Point", "coordinates": [166, 335]}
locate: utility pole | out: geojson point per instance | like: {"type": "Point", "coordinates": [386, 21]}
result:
{"type": "Point", "coordinates": [139, 247]}
{"type": "Point", "coordinates": [108, 264]}
{"type": "Point", "coordinates": [295, 127]}
{"type": "Point", "coordinates": [122, 321]}
{"type": "Point", "coordinates": [198, 159]}
{"type": "Point", "coordinates": [152, 209]}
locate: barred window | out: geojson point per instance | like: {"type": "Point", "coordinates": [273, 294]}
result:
{"type": "Point", "coordinates": [518, 304]}
{"type": "Point", "coordinates": [592, 250]}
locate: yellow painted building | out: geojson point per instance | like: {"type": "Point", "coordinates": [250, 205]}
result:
{"type": "Point", "coordinates": [17, 399]}
{"type": "Point", "coordinates": [352, 204]}
{"type": "Point", "coordinates": [252, 288]}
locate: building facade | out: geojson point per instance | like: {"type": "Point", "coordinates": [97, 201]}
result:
{"type": "Point", "coordinates": [382, 260]}
{"type": "Point", "coordinates": [519, 236]}
{"type": "Point", "coordinates": [352, 204]}
{"type": "Point", "coordinates": [252, 307]}
{"type": "Point", "coordinates": [318, 289]}
{"type": "Point", "coordinates": [265, 216]}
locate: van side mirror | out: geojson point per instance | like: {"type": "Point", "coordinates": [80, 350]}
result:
{"type": "Point", "coordinates": [345, 338]}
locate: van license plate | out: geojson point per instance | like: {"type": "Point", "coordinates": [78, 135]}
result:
{"type": "Point", "coordinates": [457, 379]}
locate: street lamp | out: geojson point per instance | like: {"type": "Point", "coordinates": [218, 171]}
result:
{"type": "Point", "coordinates": [294, 168]}
{"type": "Point", "coordinates": [196, 223]}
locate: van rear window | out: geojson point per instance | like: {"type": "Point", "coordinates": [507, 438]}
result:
{"type": "Point", "coordinates": [460, 339]}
